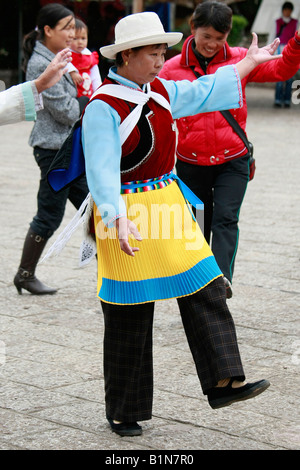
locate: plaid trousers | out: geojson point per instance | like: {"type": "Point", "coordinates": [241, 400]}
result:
{"type": "Point", "coordinates": [128, 363]}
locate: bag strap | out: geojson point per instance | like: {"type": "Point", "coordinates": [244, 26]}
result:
{"type": "Point", "coordinates": [283, 25]}
{"type": "Point", "coordinates": [230, 119]}
{"type": "Point", "coordinates": [236, 127]}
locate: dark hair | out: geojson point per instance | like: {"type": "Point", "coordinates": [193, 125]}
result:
{"type": "Point", "coordinates": [287, 6]}
{"type": "Point", "coordinates": [215, 14]}
{"type": "Point", "coordinates": [119, 59]}
{"type": "Point", "coordinates": [49, 15]}
{"type": "Point", "coordinates": [79, 24]}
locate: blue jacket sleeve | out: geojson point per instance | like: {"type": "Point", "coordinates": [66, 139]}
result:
{"type": "Point", "coordinates": [216, 92]}
{"type": "Point", "coordinates": [102, 153]}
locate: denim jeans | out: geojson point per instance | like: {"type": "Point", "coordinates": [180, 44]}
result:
{"type": "Point", "coordinates": [51, 205]}
{"type": "Point", "coordinates": [283, 92]}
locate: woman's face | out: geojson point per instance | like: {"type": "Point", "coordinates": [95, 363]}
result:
{"type": "Point", "coordinates": [61, 35]}
{"type": "Point", "coordinates": [144, 64]}
{"type": "Point", "coordinates": [208, 40]}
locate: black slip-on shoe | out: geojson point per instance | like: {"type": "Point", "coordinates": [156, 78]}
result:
{"type": "Point", "coordinates": [219, 397]}
{"type": "Point", "coordinates": [125, 429]}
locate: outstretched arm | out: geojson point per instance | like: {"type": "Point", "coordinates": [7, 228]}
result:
{"type": "Point", "coordinates": [20, 102]}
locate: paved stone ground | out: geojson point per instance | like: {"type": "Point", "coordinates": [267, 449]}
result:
{"type": "Point", "coordinates": [51, 392]}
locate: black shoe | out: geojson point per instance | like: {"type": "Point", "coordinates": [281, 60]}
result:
{"type": "Point", "coordinates": [277, 105]}
{"type": "Point", "coordinates": [228, 288]}
{"type": "Point", "coordinates": [219, 397]}
{"type": "Point", "coordinates": [125, 429]}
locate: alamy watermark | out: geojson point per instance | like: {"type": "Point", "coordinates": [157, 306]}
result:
{"type": "Point", "coordinates": [161, 221]}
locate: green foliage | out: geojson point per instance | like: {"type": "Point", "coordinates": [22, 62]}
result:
{"type": "Point", "coordinates": [239, 23]}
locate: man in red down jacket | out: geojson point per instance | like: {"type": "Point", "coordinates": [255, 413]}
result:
{"type": "Point", "coordinates": [211, 158]}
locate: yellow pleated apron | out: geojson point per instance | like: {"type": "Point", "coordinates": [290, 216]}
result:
{"type": "Point", "coordinates": [173, 260]}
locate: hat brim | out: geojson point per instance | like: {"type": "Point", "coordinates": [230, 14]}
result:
{"type": "Point", "coordinates": [170, 39]}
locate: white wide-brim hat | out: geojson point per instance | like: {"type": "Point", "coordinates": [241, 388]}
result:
{"type": "Point", "coordinates": [139, 29]}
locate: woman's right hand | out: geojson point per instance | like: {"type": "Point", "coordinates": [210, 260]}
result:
{"type": "Point", "coordinates": [126, 227]}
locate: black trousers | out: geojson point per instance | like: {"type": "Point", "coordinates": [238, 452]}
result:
{"type": "Point", "coordinates": [221, 188]}
{"type": "Point", "coordinates": [128, 364]}
{"type": "Point", "coordinates": [51, 206]}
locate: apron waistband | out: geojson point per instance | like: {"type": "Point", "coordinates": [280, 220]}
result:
{"type": "Point", "coordinates": [160, 182]}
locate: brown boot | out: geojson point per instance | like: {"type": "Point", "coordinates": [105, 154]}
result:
{"type": "Point", "coordinates": [25, 277]}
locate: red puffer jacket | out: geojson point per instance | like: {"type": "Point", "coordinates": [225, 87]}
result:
{"type": "Point", "coordinates": [207, 139]}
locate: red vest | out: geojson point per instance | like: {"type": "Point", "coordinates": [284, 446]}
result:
{"type": "Point", "coordinates": [83, 64]}
{"type": "Point", "coordinates": [149, 151]}
{"type": "Point", "coordinates": [285, 31]}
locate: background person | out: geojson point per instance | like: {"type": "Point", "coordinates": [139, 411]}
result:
{"type": "Point", "coordinates": [286, 27]}
{"type": "Point", "coordinates": [54, 32]}
{"type": "Point", "coordinates": [84, 68]}
{"type": "Point", "coordinates": [211, 158]}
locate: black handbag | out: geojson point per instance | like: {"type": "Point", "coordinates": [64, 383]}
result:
{"type": "Point", "coordinates": [240, 132]}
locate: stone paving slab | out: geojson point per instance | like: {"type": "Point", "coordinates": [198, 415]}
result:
{"type": "Point", "coordinates": [51, 373]}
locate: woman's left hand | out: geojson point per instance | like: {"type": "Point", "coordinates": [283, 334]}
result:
{"type": "Point", "coordinates": [262, 54]}
{"type": "Point", "coordinates": [126, 227]}
{"type": "Point", "coordinates": [257, 55]}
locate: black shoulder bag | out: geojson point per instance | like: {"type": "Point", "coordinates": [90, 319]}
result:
{"type": "Point", "coordinates": [240, 132]}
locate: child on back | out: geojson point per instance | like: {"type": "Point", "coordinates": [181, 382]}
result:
{"type": "Point", "coordinates": [84, 68]}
